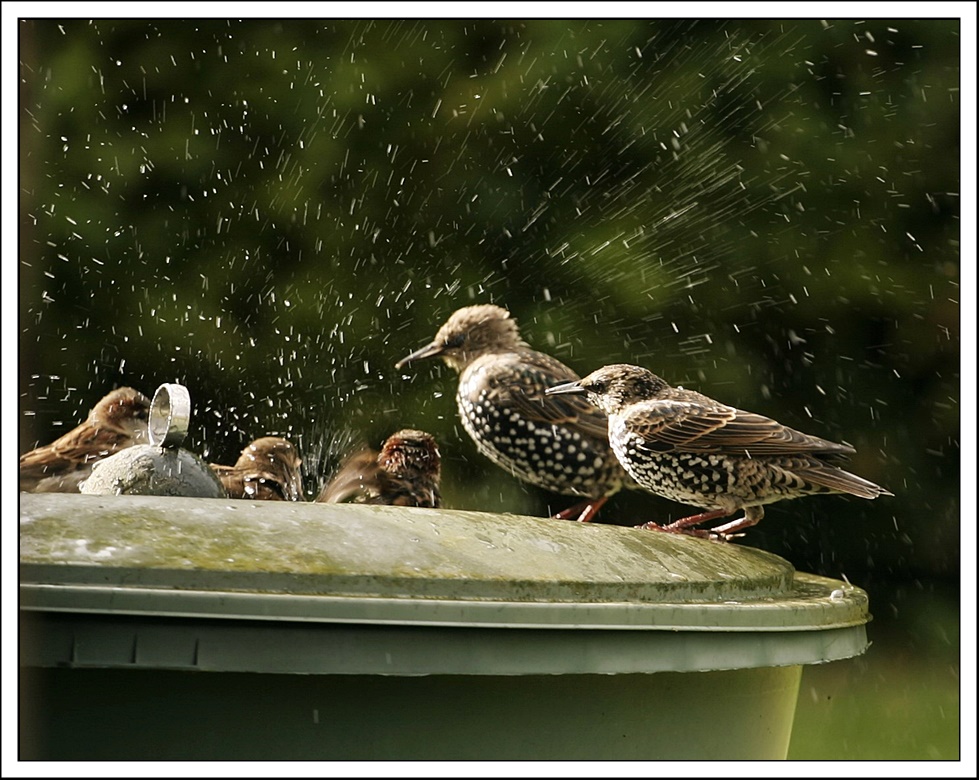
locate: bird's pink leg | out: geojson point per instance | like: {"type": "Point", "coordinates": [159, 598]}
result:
{"type": "Point", "coordinates": [703, 517]}
{"type": "Point", "coordinates": [725, 532]}
{"type": "Point", "coordinates": [583, 511]}
{"type": "Point", "coordinates": [684, 523]}
{"type": "Point", "coordinates": [700, 533]}
{"type": "Point", "coordinates": [752, 515]}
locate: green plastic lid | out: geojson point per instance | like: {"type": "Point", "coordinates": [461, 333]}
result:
{"type": "Point", "coordinates": [589, 597]}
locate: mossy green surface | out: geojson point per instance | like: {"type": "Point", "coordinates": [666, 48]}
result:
{"type": "Point", "coordinates": [296, 550]}
{"type": "Point", "coordinates": [320, 548]}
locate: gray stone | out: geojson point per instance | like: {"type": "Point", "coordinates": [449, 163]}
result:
{"type": "Point", "coordinates": [145, 470]}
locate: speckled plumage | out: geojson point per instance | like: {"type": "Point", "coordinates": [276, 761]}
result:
{"type": "Point", "coordinates": [406, 472]}
{"type": "Point", "coordinates": [268, 469]}
{"type": "Point", "coordinates": [117, 421]}
{"type": "Point", "coordinates": [689, 448]}
{"type": "Point", "coordinates": [559, 444]}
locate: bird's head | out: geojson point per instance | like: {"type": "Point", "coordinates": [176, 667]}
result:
{"type": "Point", "coordinates": [469, 333]}
{"type": "Point", "coordinates": [411, 453]}
{"type": "Point", "coordinates": [124, 410]}
{"type": "Point", "coordinates": [613, 388]}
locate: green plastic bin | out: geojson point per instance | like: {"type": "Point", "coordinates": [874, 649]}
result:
{"type": "Point", "coordinates": [185, 628]}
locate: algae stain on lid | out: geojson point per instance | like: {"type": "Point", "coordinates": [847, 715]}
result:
{"type": "Point", "coordinates": [414, 562]}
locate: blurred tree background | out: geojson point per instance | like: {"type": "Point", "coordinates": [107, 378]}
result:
{"type": "Point", "coordinates": [273, 212]}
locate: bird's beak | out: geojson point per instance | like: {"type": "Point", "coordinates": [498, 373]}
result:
{"type": "Point", "coordinates": [567, 387]}
{"type": "Point", "coordinates": [429, 350]}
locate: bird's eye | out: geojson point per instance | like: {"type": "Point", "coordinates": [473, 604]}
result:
{"type": "Point", "coordinates": [455, 341]}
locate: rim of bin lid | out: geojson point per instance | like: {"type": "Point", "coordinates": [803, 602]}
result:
{"type": "Point", "coordinates": [216, 558]}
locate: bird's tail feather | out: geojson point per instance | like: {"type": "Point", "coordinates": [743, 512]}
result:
{"type": "Point", "coordinates": [843, 482]}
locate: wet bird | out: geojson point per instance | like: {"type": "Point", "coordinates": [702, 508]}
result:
{"type": "Point", "coordinates": [559, 444]}
{"type": "Point", "coordinates": [118, 421]}
{"type": "Point", "coordinates": [689, 448]}
{"type": "Point", "coordinates": [268, 469]}
{"type": "Point", "coordinates": [406, 472]}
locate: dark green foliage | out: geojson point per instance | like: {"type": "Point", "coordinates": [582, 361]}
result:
{"type": "Point", "coordinates": [274, 212]}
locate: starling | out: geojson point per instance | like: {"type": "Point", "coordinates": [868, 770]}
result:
{"type": "Point", "coordinates": [268, 469]}
{"type": "Point", "coordinates": [559, 444]}
{"type": "Point", "coordinates": [690, 448]}
{"type": "Point", "coordinates": [117, 421]}
{"type": "Point", "coordinates": [404, 473]}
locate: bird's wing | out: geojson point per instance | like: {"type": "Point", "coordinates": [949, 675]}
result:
{"type": "Point", "coordinates": [43, 464]}
{"type": "Point", "coordinates": [400, 491]}
{"type": "Point", "coordinates": [259, 485]}
{"type": "Point", "coordinates": [265, 487]}
{"type": "Point", "coordinates": [520, 386]}
{"type": "Point", "coordinates": [44, 461]}
{"type": "Point", "coordinates": [693, 426]}
{"type": "Point", "coordinates": [253, 482]}
{"type": "Point", "coordinates": [356, 478]}
{"type": "Point", "coordinates": [231, 479]}
{"type": "Point", "coordinates": [79, 446]}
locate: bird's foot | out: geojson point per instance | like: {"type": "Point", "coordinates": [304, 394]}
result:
{"type": "Point", "coordinates": [685, 526]}
{"type": "Point", "coordinates": [583, 511]}
{"type": "Point", "coordinates": [701, 533]}
{"type": "Point", "coordinates": [752, 515]}
{"type": "Point", "coordinates": [722, 533]}
{"type": "Point", "coordinates": [692, 520]}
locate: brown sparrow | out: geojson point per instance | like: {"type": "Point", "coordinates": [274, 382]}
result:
{"type": "Point", "coordinates": [267, 470]}
{"type": "Point", "coordinates": [405, 472]}
{"type": "Point", "coordinates": [118, 421]}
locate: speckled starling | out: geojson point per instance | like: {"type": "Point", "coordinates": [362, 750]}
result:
{"type": "Point", "coordinates": [268, 469]}
{"type": "Point", "coordinates": [405, 472]}
{"type": "Point", "coordinates": [118, 421]}
{"type": "Point", "coordinates": [690, 448]}
{"type": "Point", "coordinates": [560, 444]}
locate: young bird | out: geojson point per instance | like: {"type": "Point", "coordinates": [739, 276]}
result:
{"type": "Point", "coordinates": [689, 448]}
{"type": "Point", "coordinates": [268, 469]}
{"type": "Point", "coordinates": [406, 472]}
{"type": "Point", "coordinates": [118, 421]}
{"type": "Point", "coordinates": [559, 444]}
